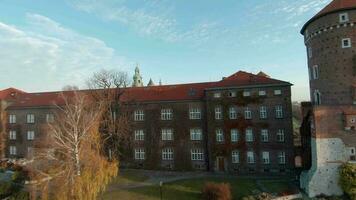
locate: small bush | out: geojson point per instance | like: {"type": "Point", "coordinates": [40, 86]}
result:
{"type": "Point", "coordinates": [22, 195]}
{"type": "Point", "coordinates": [348, 179]}
{"type": "Point", "coordinates": [216, 191]}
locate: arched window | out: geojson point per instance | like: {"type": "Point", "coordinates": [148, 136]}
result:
{"type": "Point", "coordinates": [317, 97]}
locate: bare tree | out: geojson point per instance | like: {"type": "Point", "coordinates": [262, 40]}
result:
{"type": "Point", "coordinates": [109, 86]}
{"type": "Point", "coordinates": [69, 158]}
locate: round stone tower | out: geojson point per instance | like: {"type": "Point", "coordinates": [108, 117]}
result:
{"type": "Point", "coordinates": [330, 38]}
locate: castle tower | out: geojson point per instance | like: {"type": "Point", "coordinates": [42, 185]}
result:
{"type": "Point", "coordinates": [330, 39]}
{"type": "Point", "coordinates": [151, 83]}
{"type": "Point", "coordinates": [137, 78]}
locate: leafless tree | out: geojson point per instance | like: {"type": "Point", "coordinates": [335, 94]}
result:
{"type": "Point", "coordinates": [109, 86]}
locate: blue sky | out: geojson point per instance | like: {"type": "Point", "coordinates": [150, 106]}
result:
{"type": "Point", "coordinates": [45, 45]}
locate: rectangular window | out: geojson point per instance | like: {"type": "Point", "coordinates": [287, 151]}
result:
{"type": "Point", "coordinates": [218, 112]}
{"type": "Point", "coordinates": [265, 157]}
{"type": "Point", "coordinates": [139, 135]}
{"type": "Point", "coordinates": [250, 157]}
{"type": "Point", "coordinates": [277, 92]}
{"type": "Point", "coordinates": [194, 113]}
{"type": "Point", "coordinates": [282, 157]}
{"type": "Point", "coordinates": [30, 118]}
{"type": "Point", "coordinates": [343, 17]}
{"type": "Point", "coordinates": [279, 112]}
{"type": "Point", "coordinates": [139, 154]}
{"type": "Point", "coordinates": [249, 135]}
{"type": "Point", "coordinates": [30, 135]}
{"type": "Point", "coordinates": [310, 53]}
{"type": "Point", "coordinates": [315, 72]}
{"type": "Point", "coordinates": [246, 93]}
{"type": "Point", "coordinates": [13, 150]}
{"type": "Point", "coordinates": [346, 43]}
{"type": "Point", "coordinates": [233, 112]}
{"type": "Point", "coordinates": [167, 134]}
{"type": "Point", "coordinates": [264, 135]}
{"type": "Point", "coordinates": [139, 115]}
{"type": "Point", "coordinates": [263, 112]}
{"type": "Point", "coordinates": [196, 134]}
{"type": "Point", "coordinates": [30, 152]}
{"type": "Point", "coordinates": [197, 154]}
{"type": "Point", "coordinates": [219, 135]}
{"type": "Point", "coordinates": [12, 119]}
{"type": "Point", "coordinates": [167, 154]}
{"type": "Point", "coordinates": [262, 93]}
{"type": "Point", "coordinates": [235, 156]}
{"type": "Point", "coordinates": [166, 114]}
{"type": "Point", "coordinates": [12, 135]}
{"type": "Point", "coordinates": [280, 135]}
{"type": "Point", "coordinates": [248, 113]}
{"type": "Point", "coordinates": [232, 94]}
{"type": "Point", "coordinates": [49, 118]}
{"type": "Point", "coordinates": [217, 95]}
{"type": "Point", "coordinates": [234, 135]}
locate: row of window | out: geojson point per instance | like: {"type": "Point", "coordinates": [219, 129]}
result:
{"type": "Point", "coordinates": [196, 134]}
{"type": "Point", "coordinates": [13, 150]}
{"type": "Point", "coordinates": [198, 155]}
{"type": "Point", "coordinates": [30, 118]}
{"type": "Point", "coordinates": [195, 113]}
{"type": "Point", "coordinates": [246, 93]}
{"type": "Point", "coordinates": [345, 43]}
{"type": "Point", "coordinates": [30, 135]}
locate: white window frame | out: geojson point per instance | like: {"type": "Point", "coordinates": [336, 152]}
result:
{"type": "Point", "coordinates": [264, 135]}
{"type": "Point", "coordinates": [166, 114]}
{"type": "Point", "coordinates": [280, 135]}
{"type": "Point", "coordinates": [277, 92]}
{"type": "Point", "coordinates": [342, 16]}
{"type": "Point", "coordinates": [248, 113]}
{"type": "Point", "coordinates": [232, 94]}
{"type": "Point", "coordinates": [246, 93]}
{"type": "Point", "coordinates": [217, 94]}
{"type": "Point", "coordinates": [196, 134]}
{"type": "Point", "coordinates": [167, 154]}
{"type": "Point", "coordinates": [348, 40]}
{"type": "Point", "coordinates": [219, 135]}
{"type": "Point", "coordinates": [218, 112]}
{"type": "Point", "coordinates": [49, 117]}
{"type": "Point", "coordinates": [235, 156]}
{"type": "Point", "coordinates": [265, 157]}
{"type": "Point", "coordinates": [139, 154]}
{"type": "Point", "coordinates": [12, 135]}
{"type": "Point", "coordinates": [233, 112]}
{"type": "Point", "coordinates": [262, 93]}
{"type": "Point", "coordinates": [139, 135]}
{"type": "Point", "coordinates": [30, 135]}
{"type": "Point", "coordinates": [12, 150]}
{"type": "Point", "coordinates": [315, 70]}
{"type": "Point", "coordinates": [194, 113]}
{"type": "Point", "coordinates": [139, 115]}
{"type": "Point", "coordinates": [250, 157]}
{"type": "Point", "coordinates": [279, 112]}
{"type": "Point", "coordinates": [30, 118]}
{"type": "Point", "coordinates": [197, 154]}
{"type": "Point", "coordinates": [167, 134]}
{"type": "Point", "coordinates": [263, 112]}
{"type": "Point", "coordinates": [12, 119]}
{"type": "Point", "coordinates": [234, 135]}
{"type": "Point", "coordinates": [281, 157]}
{"type": "Point", "coordinates": [249, 135]}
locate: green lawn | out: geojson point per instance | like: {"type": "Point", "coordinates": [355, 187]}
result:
{"type": "Point", "coordinates": [190, 189]}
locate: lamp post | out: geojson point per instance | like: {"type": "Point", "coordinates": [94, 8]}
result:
{"type": "Point", "coordinates": [160, 188]}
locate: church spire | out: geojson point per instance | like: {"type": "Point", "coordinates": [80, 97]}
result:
{"type": "Point", "coordinates": [137, 78]}
{"type": "Point", "coordinates": [150, 83]}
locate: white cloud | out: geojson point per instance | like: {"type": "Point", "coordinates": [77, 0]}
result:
{"type": "Point", "coordinates": [46, 52]}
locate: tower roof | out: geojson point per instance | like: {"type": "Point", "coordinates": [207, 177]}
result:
{"type": "Point", "coordinates": [334, 6]}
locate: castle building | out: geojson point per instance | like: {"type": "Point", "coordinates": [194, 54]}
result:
{"type": "Point", "coordinates": [241, 124]}
{"type": "Point", "coordinates": [328, 129]}
{"type": "Point", "coordinates": [137, 78]}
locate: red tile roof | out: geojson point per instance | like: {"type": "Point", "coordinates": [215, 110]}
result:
{"type": "Point", "coordinates": [9, 93]}
{"type": "Point", "coordinates": [192, 91]}
{"type": "Point", "coordinates": [334, 6]}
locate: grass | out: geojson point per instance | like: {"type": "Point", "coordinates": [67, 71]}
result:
{"type": "Point", "coordinates": [276, 186]}
{"type": "Point", "coordinates": [129, 177]}
{"type": "Point", "coordinates": [191, 189]}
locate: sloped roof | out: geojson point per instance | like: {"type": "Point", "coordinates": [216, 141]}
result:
{"type": "Point", "coordinates": [9, 93]}
{"type": "Point", "coordinates": [191, 91]}
{"type": "Point", "coordinates": [334, 6]}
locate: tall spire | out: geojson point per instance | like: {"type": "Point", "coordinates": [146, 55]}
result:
{"type": "Point", "coordinates": [150, 83]}
{"type": "Point", "coordinates": [137, 78]}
